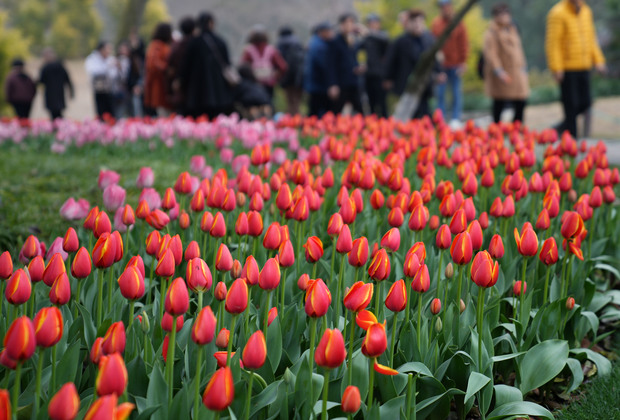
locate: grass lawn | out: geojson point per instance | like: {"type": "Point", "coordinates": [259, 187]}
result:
{"type": "Point", "coordinates": [34, 183]}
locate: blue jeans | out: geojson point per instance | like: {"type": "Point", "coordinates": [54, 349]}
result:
{"type": "Point", "coordinates": [454, 81]}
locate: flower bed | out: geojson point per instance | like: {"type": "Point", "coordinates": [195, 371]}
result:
{"type": "Point", "coordinates": [342, 267]}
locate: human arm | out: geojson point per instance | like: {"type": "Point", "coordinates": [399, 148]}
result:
{"type": "Point", "coordinates": [491, 56]}
{"type": "Point", "coordinates": [553, 45]}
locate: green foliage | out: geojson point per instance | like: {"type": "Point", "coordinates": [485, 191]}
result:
{"type": "Point", "coordinates": [155, 11]}
{"type": "Point", "coordinates": [12, 44]}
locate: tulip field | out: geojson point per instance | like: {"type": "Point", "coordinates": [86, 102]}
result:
{"type": "Point", "coordinates": [343, 267]}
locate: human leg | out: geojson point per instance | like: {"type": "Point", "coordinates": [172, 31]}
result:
{"type": "Point", "coordinates": [498, 107]}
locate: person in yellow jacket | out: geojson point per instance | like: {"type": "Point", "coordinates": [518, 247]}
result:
{"type": "Point", "coordinates": [572, 51]}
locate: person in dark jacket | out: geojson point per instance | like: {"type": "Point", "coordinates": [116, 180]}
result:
{"type": "Point", "coordinates": [320, 79]}
{"type": "Point", "coordinates": [347, 67]}
{"type": "Point", "coordinates": [206, 89]}
{"type": "Point", "coordinates": [251, 95]}
{"type": "Point", "coordinates": [403, 56]}
{"type": "Point", "coordinates": [55, 80]}
{"type": "Point", "coordinates": [375, 44]}
{"type": "Point", "coordinates": [178, 52]}
{"type": "Point", "coordinates": [20, 89]}
{"type": "Point", "coordinates": [135, 79]}
{"type": "Point", "coordinates": [293, 52]}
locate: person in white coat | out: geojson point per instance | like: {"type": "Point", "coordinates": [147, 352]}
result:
{"type": "Point", "coordinates": [103, 71]}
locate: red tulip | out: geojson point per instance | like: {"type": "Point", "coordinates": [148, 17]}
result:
{"type": "Point", "coordinates": [176, 246]}
{"type": "Point", "coordinates": [335, 224]}
{"type": "Point", "coordinates": [165, 265]}
{"type": "Point", "coordinates": [330, 353]}
{"type": "Point", "coordinates": [543, 221]}
{"type": "Point", "coordinates": [496, 247]}
{"type": "Point", "coordinates": [272, 237]}
{"type": "Point", "coordinates": [444, 237]}
{"type": "Point", "coordinates": [461, 248]}
{"type": "Point", "coordinates": [379, 268]}
{"type": "Point", "coordinates": [20, 340]}
{"type": "Point", "coordinates": [152, 242]}
{"type": "Point", "coordinates": [223, 259]}
{"type": "Point", "coordinates": [218, 226]}
{"type": "Point", "coordinates": [286, 254]}
{"type": "Point", "coordinates": [418, 249]}
{"type": "Point", "coordinates": [54, 268]}
{"type": "Point", "coordinates": [396, 299]}
{"type": "Point", "coordinates": [220, 291]}
{"type": "Point", "coordinates": [131, 283]}
{"type": "Point", "coordinates": [570, 303]}
{"type": "Point", "coordinates": [318, 298]}
{"type": "Point", "coordinates": [572, 225]}
{"type": "Point", "coordinates": [435, 306]}
{"type": "Point", "coordinates": [237, 297]}
{"type": "Point", "coordinates": [364, 319]}
{"type": "Point", "coordinates": [60, 293]}
{"type": "Point", "coordinates": [348, 210]}
{"type": "Point", "coordinates": [458, 223]}
{"type": "Point", "coordinates": [177, 298]}
{"type": "Point", "coordinates": [220, 390]}
{"type": "Point", "coordinates": [102, 224]}
{"type": "Point", "coordinates": [484, 271]}
{"type": "Point", "coordinates": [391, 240]}
{"type": "Point", "coordinates": [284, 199]}
{"type": "Point", "coordinates": [422, 281]}
{"type": "Point", "coordinates": [517, 288]}
{"type": "Point", "coordinates": [344, 243]}
{"type": "Point", "coordinates": [359, 253]}
{"type": "Point", "coordinates": [95, 351]}
{"type": "Point", "coordinates": [358, 296]}
{"type": "Point", "coordinates": [250, 271]}
{"type": "Point", "coordinates": [65, 404]}
{"type": "Point", "coordinates": [157, 219]}
{"type": "Point", "coordinates": [527, 242]}
{"type": "Point", "coordinates": [255, 351]}
{"type": "Point", "coordinates": [549, 251]}
{"type": "Point", "coordinates": [6, 265]}
{"type": "Point", "coordinates": [255, 223]}
{"type": "Point", "coordinates": [36, 267]}
{"type": "Point", "coordinates": [221, 341]}
{"type": "Point", "coordinates": [198, 275]}
{"type": "Point", "coordinates": [114, 339]}
{"type": "Point", "coordinates": [166, 324]}
{"type": "Point", "coordinates": [377, 199]}
{"type": "Point", "coordinates": [70, 241]}
{"type": "Point", "coordinates": [375, 342]}
{"type": "Point", "coordinates": [89, 221]}
{"type": "Point", "coordinates": [104, 252]}
{"type": "Point", "coordinates": [419, 218]}
{"type": "Point", "coordinates": [351, 400]}
{"type": "Point", "coordinates": [48, 326]}
{"type": "Point", "coordinates": [112, 377]}
{"type": "Point", "coordinates": [269, 277]}
{"type": "Point", "coordinates": [82, 265]}
{"type": "Point", "coordinates": [105, 408]}
{"type": "Point", "coordinates": [18, 288]}
{"type": "Point", "coordinates": [411, 265]}
{"type": "Point", "coordinates": [396, 217]}
{"type": "Point", "coordinates": [203, 329]}
{"type": "Point", "coordinates": [475, 232]}
{"type": "Point", "coordinates": [314, 249]}
{"type": "Point", "coordinates": [271, 316]}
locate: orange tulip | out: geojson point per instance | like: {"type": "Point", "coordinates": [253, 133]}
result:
{"type": "Point", "coordinates": [105, 408]}
{"type": "Point", "coordinates": [112, 377]}
{"type": "Point", "coordinates": [48, 326]}
{"type": "Point", "coordinates": [435, 306]}
{"type": "Point", "coordinates": [351, 400]}
{"type": "Point", "coordinates": [65, 404]}
{"type": "Point", "coordinates": [358, 296]}
{"type": "Point", "coordinates": [330, 353]}
{"type": "Point", "coordinates": [220, 390]}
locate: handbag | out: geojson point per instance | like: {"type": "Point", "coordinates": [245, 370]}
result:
{"type": "Point", "coordinates": [229, 72]}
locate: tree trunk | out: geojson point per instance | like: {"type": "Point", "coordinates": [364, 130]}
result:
{"type": "Point", "coordinates": [132, 18]}
{"type": "Point", "coordinates": [408, 102]}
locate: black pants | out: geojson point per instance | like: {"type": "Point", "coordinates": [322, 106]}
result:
{"type": "Point", "coordinates": [500, 104]}
{"type": "Point", "coordinates": [104, 104]}
{"type": "Point", "coordinates": [576, 98]}
{"type": "Point", "coordinates": [22, 110]}
{"type": "Point", "coordinates": [350, 94]}
{"type": "Point", "coordinates": [55, 113]}
{"type": "Point", "coordinates": [376, 96]}
{"type": "Point", "coordinates": [319, 104]}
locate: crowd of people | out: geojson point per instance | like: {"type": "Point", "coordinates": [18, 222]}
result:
{"type": "Point", "coordinates": [190, 71]}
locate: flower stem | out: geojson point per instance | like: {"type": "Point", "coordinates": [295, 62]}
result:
{"type": "Point", "coordinates": [282, 290]}
{"type": "Point", "coordinates": [410, 404]}
{"type": "Point", "coordinates": [419, 324]}
{"type": "Point", "coordinates": [522, 293]}
{"type": "Point", "coordinates": [37, 392]}
{"type": "Point", "coordinates": [439, 273]}
{"type": "Point", "coordinates": [546, 291]}
{"type": "Point", "coordinates": [408, 280]}
{"type": "Point", "coordinates": [99, 298]}
{"type": "Point", "coordinates": [148, 293]}
{"type": "Point", "coordinates": [313, 322]}
{"type": "Point", "coordinates": [131, 312]}
{"type": "Point", "coordinates": [393, 342]}
{"type": "Point", "coordinates": [325, 391]}
{"type": "Point", "coordinates": [266, 312]}
{"type": "Point", "coordinates": [377, 298]}
{"type": "Point", "coordinates": [77, 297]}
{"type": "Point", "coordinates": [197, 379]}
{"type": "Point", "coordinates": [170, 360]}
{"type": "Point", "coordinates": [248, 398]}
{"type": "Point", "coordinates": [231, 338]}
{"type": "Point", "coordinates": [479, 327]}
{"type": "Point", "coordinates": [110, 290]}
{"type": "Point", "coordinates": [52, 388]}
{"type": "Point", "coordinates": [162, 294]}
{"type": "Point", "coordinates": [339, 290]}
{"type": "Point", "coordinates": [350, 354]}
{"type": "Point", "coordinates": [17, 388]}
{"type": "Point", "coordinates": [371, 382]}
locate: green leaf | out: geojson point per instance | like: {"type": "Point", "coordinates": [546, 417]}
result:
{"type": "Point", "coordinates": [602, 363]}
{"type": "Point", "coordinates": [266, 397]}
{"type": "Point", "coordinates": [606, 267]}
{"type": "Point", "coordinates": [415, 367]}
{"type": "Point", "coordinates": [274, 343]}
{"type": "Point", "coordinates": [90, 332]}
{"type": "Point", "coordinates": [519, 408]}
{"type": "Point", "coordinates": [148, 412]}
{"type": "Point", "coordinates": [392, 408]}
{"type": "Point", "coordinates": [476, 382]}
{"type": "Point", "coordinates": [156, 392]}
{"type": "Point", "coordinates": [542, 363]}
{"type": "Point", "coordinates": [67, 367]}
{"type": "Point", "coordinates": [505, 394]}
{"type": "Point", "coordinates": [507, 356]}
{"type": "Point", "coordinates": [577, 374]}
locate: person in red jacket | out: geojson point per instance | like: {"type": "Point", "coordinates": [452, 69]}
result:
{"type": "Point", "coordinates": [155, 68]}
{"type": "Point", "coordinates": [20, 89]}
{"type": "Point", "coordinates": [455, 52]}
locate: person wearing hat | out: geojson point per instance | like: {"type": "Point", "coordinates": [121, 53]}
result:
{"type": "Point", "coordinates": [19, 89]}
{"type": "Point", "coordinates": [375, 44]}
{"type": "Point", "coordinates": [320, 79]}
{"type": "Point", "coordinates": [455, 52]}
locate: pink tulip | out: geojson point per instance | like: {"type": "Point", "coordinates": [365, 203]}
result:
{"type": "Point", "coordinates": [107, 178]}
{"type": "Point", "coordinates": [146, 178]}
{"type": "Point", "coordinates": [113, 197]}
{"type": "Point", "coordinates": [207, 172]}
{"type": "Point", "coordinates": [74, 210]}
{"type": "Point", "coordinates": [226, 155]}
{"type": "Point", "coordinates": [152, 198]}
{"type": "Point", "coordinates": [240, 162]}
{"type": "Point", "coordinates": [56, 248]}
{"type": "Point", "coordinates": [118, 220]}
{"type": "Point", "coordinates": [278, 156]}
{"type": "Point", "coordinates": [197, 164]}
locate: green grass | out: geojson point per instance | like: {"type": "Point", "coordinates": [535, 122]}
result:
{"type": "Point", "coordinates": [34, 183]}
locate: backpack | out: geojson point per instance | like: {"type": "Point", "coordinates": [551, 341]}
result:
{"type": "Point", "coordinates": [262, 64]}
{"type": "Point", "coordinates": [294, 55]}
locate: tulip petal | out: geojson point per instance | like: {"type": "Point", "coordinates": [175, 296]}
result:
{"type": "Point", "coordinates": [384, 370]}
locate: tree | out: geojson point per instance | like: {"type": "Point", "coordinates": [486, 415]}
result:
{"type": "Point", "coordinates": [12, 45]}
{"type": "Point", "coordinates": [141, 14]}
{"type": "Point", "coordinates": [408, 102]}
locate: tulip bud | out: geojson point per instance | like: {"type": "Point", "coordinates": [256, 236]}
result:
{"type": "Point", "coordinates": [65, 404]}
{"type": "Point", "coordinates": [223, 259]}
{"type": "Point", "coordinates": [269, 277]}
{"type": "Point", "coordinates": [570, 303]}
{"type": "Point", "coordinates": [18, 288]}
{"type": "Point", "coordinates": [177, 298]}
{"type": "Point", "coordinates": [303, 281]}
{"type": "Point", "coordinates": [314, 249]}
{"type": "Point", "coordinates": [351, 400]}
{"type": "Point", "coordinates": [220, 390]}
{"type": "Point", "coordinates": [6, 265]}
{"type": "Point", "coordinates": [112, 377]}
{"type": "Point", "coordinates": [165, 265]}
{"type": "Point", "coordinates": [131, 283]}
{"type": "Point", "coordinates": [286, 254]}
{"type": "Point", "coordinates": [396, 299]}
{"type": "Point", "coordinates": [60, 293]}
{"type": "Point", "coordinates": [203, 329]}
{"type": "Point", "coordinates": [449, 271]}
{"type": "Point", "coordinates": [519, 286]}
{"type": "Point", "coordinates": [318, 298]}
{"type": "Point", "coordinates": [5, 404]}
{"type": "Point", "coordinates": [95, 351]}
{"type": "Point", "coordinates": [48, 326]}
{"type": "Point", "coordinates": [114, 339]}
{"type": "Point", "coordinates": [439, 324]}
{"type": "Point", "coordinates": [435, 306]}
{"type": "Point", "coordinates": [145, 323]}
{"type": "Point", "coordinates": [237, 297]}
{"type": "Point", "coordinates": [462, 306]}
{"type": "Point", "coordinates": [255, 351]}
{"type": "Point", "coordinates": [272, 315]}
{"type": "Point", "coordinates": [166, 323]}
{"type": "Point", "coordinates": [220, 291]}
{"type": "Point", "coordinates": [330, 353]}
{"type": "Point", "coordinates": [375, 342]}
{"type": "Point", "coordinates": [70, 241]}
{"type": "Point", "coordinates": [344, 242]}
{"type": "Point", "coordinates": [20, 339]}
{"type": "Point", "coordinates": [250, 271]}
{"type": "Point", "coordinates": [198, 275]}
{"type": "Point", "coordinates": [358, 297]}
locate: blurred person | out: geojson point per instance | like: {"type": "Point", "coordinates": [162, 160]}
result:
{"type": "Point", "coordinates": [263, 58]}
{"type": "Point", "coordinates": [55, 80]}
{"type": "Point", "coordinates": [293, 52]}
{"type": "Point", "coordinates": [455, 52]}
{"type": "Point", "coordinates": [403, 56]}
{"type": "Point", "coordinates": [178, 52]}
{"type": "Point", "coordinates": [19, 89]}
{"type": "Point", "coordinates": [155, 67]}
{"type": "Point", "coordinates": [120, 91]}
{"type": "Point", "coordinates": [252, 95]}
{"type": "Point", "coordinates": [320, 78]}
{"type": "Point", "coordinates": [572, 52]}
{"type": "Point", "coordinates": [375, 44]}
{"type": "Point", "coordinates": [505, 67]}
{"type": "Point", "coordinates": [135, 80]}
{"type": "Point", "coordinates": [205, 78]}
{"type": "Point", "coordinates": [348, 69]}
{"type": "Point", "coordinates": [102, 69]}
